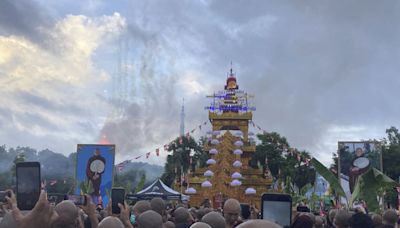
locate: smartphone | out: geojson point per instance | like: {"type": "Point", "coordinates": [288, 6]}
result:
{"type": "Point", "coordinates": [245, 211]}
{"type": "Point", "coordinates": [117, 196]}
{"type": "Point", "coordinates": [3, 195]}
{"type": "Point", "coordinates": [277, 208]}
{"type": "Point", "coordinates": [76, 199]}
{"type": "Point", "coordinates": [28, 184]}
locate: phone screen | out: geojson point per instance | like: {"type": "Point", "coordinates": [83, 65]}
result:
{"type": "Point", "coordinates": [117, 196]}
{"type": "Point", "coordinates": [245, 210]}
{"type": "Point", "coordinates": [278, 212]}
{"type": "Point", "coordinates": [28, 185]}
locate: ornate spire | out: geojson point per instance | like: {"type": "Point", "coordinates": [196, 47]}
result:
{"type": "Point", "coordinates": [231, 80]}
{"type": "Point", "coordinates": [182, 125]}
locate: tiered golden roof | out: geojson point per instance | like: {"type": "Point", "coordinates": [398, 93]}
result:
{"type": "Point", "coordinates": [228, 121]}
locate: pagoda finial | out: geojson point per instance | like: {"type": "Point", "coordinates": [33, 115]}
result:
{"type": "Point", "coordinates": [231, 80]}
{"type": "Point", "coordinates": [231, 69]}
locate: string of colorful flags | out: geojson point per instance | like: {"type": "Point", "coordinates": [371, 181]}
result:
{"type": "Point", "coordinates": [166, 146]}
{"type": "Point", "coordinates": [50, 183]}
{"type": "Point", "coordinates": [291, 151]}
{"type": "Point", "coordinates": [257, 126]}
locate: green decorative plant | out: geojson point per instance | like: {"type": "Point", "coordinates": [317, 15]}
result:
{"type": "Point", "coordinates": [86, 187]}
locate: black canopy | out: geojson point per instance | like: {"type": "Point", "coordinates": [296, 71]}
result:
{"type": "Point", "coordinates": [156, 189]}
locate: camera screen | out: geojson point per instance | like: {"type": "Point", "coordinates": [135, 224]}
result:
{"type": "Point", "coordinates": [118, 196]}
{"type": "Point", "coordinates": [277, 211]}
{"type": "Point", "coordinates": [28, 180]}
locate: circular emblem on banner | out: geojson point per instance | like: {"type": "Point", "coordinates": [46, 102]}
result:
{"type": "Point", "coordinates": [97, 166]}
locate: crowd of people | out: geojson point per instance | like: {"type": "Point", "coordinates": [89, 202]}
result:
{"type": "Point", "coordinates": [154, 214]}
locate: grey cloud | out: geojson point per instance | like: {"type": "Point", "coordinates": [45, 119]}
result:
{"type": "Point", "coordinates": [24, 18]}
{"type": "Point", "coordinates": [50, 105]}
{"type": "Point", "coordinates": [317, 64]}
{"type": "Point", "coordinates": [311, 65]}
{"type": "Point", "coordinates": [31, 119]}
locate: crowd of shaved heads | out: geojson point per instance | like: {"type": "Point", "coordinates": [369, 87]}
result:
{"type": "Point", "coordinates": [158, 213]}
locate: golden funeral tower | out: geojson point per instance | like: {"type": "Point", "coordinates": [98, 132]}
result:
{"type": "Point", "coordinates": [230, 147]}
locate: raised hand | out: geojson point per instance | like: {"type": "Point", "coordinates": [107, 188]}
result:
{"type": "Point", "coordinates": [90, 210]}
{"type": "Point", "coordinates": [42, 215]}
{"type": "Point", "coordinates": [125, 215]}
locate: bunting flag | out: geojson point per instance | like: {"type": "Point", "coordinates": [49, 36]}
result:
{"type": "Point", "coordinates": [258, 127]}
{"type": "Point", "coordinates": [173, 143]}
{"type": "Point", "coordinates": [120, 167]}
{"type": "Point", "coordinates": [53, 182]}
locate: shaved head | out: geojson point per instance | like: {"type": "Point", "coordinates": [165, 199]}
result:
{"type": "Point", "coordinates": [67, 214]}
{"type": "Point", "coordinates": [231, 211]}
{"type": "Point", "coordinates": [158, 205]}
{"type": "Point", "coordinates": [214, 219]}
{"type": "Point", "coordinates": [200, 225]}
{"type": "Point", "coordinates": [140, 207]}
{"type": "Point", "coordinates": [256, 223]}
{"type": "Point", "coordinates": [111, 222]}
{"type": "Point", "coordinates": [149, 219]}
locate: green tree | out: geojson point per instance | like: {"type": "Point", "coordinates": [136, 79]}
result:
{"type": "Point", "coordinates": [391, 161]}
{"type": "Point", "coordinates": [141, 183]}
{"type": "Point", "coordinates": [19, 158]}
{"type": "Point", "coordinates": [179, 160]}
{"type": "Point", "coordinates": [127, 179]}
{"type": "Point", "coordinates": [5, 181]}
{"type": "Point", "coordinates": [272, 147]}
{"type": "Point", "coordinates": [288, 165]}
{"type": "Point", "coordinates": [391, 154]}
{"type": "Point", "coordinates": [334, 166]}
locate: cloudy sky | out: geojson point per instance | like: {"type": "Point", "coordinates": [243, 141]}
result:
{"type": "Point", "coordinates": [72, 71]}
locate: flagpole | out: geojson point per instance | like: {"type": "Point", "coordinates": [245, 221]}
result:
{"type": "Point", "coordinates": [181, 178]}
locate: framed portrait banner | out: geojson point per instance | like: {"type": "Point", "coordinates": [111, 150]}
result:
{"type": "Point", "coordinates": [354, 159]}
{"type": "Point", "coordinates": [94, 172]}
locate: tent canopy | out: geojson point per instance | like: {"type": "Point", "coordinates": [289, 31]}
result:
{"type": "Point", "coordinates": [156, 189]}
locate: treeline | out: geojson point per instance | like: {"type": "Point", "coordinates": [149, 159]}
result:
{"type": "Point", "coordinates": [58, 171]}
